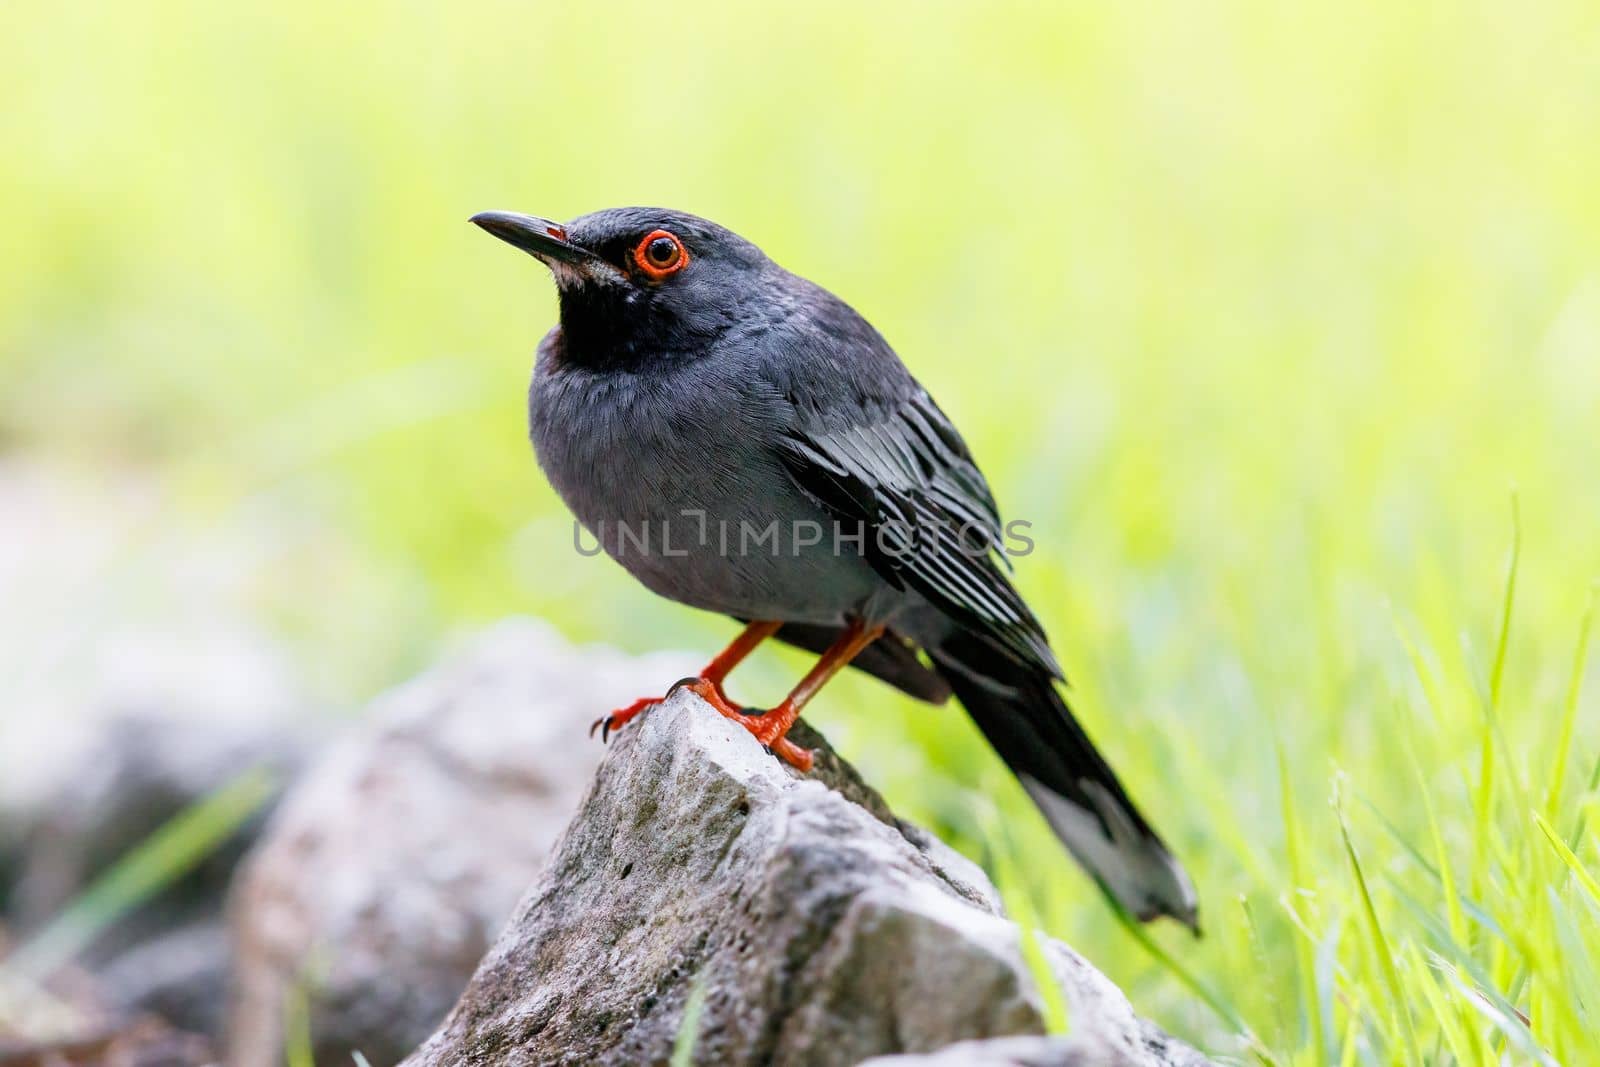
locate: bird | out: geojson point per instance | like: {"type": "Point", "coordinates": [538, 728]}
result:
{"type": "Point", "coordinates": [742, 441]}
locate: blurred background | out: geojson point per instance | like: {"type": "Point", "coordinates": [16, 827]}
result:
{"type": "Point", "coordinates": [1280, 325]}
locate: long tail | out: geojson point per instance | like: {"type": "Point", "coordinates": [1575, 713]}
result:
{"type": "Point", "coordinates": [1022, 714]}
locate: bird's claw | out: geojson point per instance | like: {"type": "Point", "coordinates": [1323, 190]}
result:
{"type": "Point", "coordinates": [681, 683]}
{"type": "Point", "coordinates": [610, 724]}
{"type": "Point", "coordinates": [711, 692]}
{"type": "Point", "coordinates": [771, 733]}
{"type": "Point", "coordinates": [708, 690]}
{"type": "Point", "coordinates": [801, 759]}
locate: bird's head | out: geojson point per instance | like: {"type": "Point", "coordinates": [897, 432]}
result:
{"type": "Point", "coordinates": [640, 283]}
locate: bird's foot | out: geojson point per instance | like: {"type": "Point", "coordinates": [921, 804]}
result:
{"type": "Point", "coordinates": [610, 724]}
{"type": "Point", "coordinates": [769, 727]}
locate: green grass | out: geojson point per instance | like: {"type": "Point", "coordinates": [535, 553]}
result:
{"type": "Point", "coordinates": [1259, 314]}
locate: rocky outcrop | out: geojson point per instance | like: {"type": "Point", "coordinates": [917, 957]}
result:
{"type": "Point", "coordinates": [395, 860]}
{"type": "Point", "coordinates": [705, 895]}
{"type": "Point", "coordinates": [700, 894]}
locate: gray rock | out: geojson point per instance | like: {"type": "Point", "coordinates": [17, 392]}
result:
{"type": "Point", "coordinates": [811, 926]}
{"type": "Point", "coordinates": [148, 761]}
{"type": "Point", "coordinates": [151, 723]}
{"type": "Point", "coordinates": [1022, 1051]}
{"type": "Point", "coordinates": [395, 860]}
{"type": "Point", "coordinates": [1038, 1051]}
{"type": "Point", "coordinates": [180, 975]}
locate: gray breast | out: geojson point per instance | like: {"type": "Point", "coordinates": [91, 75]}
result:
{"type": "Point", "coordinates": [671, 472]}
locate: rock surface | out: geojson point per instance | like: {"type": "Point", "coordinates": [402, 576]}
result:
{"type": "Point", "coordinates": [394, 861]}
{"type": "Point", "coordinates": [1036, 1051]}
{"type": "Point", "coordinates": [808, 925]}
{"type": "Point", "coordinates": [152, 724]}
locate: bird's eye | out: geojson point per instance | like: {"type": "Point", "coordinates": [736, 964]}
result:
{"type": "Point", "coordinates": [660, 253]}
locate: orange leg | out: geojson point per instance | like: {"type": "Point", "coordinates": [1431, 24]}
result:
{"type": "Point", "coordinates": [771, 728]}
{"type": "Point", "coordinates": [748, 641]}
{"type": "Point", "coordinates": [714, 675]}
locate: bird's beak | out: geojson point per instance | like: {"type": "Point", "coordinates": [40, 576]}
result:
{"type": "Point", "coordinates": [538, 237]}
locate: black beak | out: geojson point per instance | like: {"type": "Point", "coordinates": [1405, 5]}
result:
{"type": "Point", "coordinates": [538, 237]}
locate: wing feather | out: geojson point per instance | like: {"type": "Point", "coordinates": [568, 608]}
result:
{"type": "Point", "coordinates": [932, 524]}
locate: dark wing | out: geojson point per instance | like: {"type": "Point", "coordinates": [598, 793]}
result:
{"type": "Point", "coordinates": [931, 524]}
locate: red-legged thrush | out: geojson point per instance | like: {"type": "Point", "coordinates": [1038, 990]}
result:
{"type": "Point", "coordinates": [742, 441]}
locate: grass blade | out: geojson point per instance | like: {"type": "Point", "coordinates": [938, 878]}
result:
{"type": "Point", "coordinates": [1380, 944]}
{"type": "Point", "coordinates": [689, 1030]}
{"type": "Point", "coordinates": [1569, 716]}
{"type": "Point", "coordinates": [1574, 864]}
{"type": "Point", "coordinates": [1305, 960]}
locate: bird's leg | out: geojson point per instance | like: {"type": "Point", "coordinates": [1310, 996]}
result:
{"type": "Point", "coordinates": [749, 639]}
{"type": "Point", "coordinates": [715, 673]}
{"type": "Point", "coordinates": [771, 727]}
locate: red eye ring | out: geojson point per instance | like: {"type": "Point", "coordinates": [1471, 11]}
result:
{"type": "Point", "coordinates": [660, 253]}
